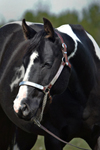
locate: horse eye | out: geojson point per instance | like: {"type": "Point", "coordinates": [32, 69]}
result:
{"type": "Point", "coordinates": [48, 65]}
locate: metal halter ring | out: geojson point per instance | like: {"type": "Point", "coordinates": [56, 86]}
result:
{"type": "Point", "coordinates": [47, 90]}
{"type": "Point", "coordinates": [63, 59]}
{"type": "Point", "coordinates": [63, 45]}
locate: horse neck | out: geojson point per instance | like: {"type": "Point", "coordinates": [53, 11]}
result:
{"type": "Point", "coordinates": [84, 67]}
{"type": "Point", "coordinates": [83, 75]}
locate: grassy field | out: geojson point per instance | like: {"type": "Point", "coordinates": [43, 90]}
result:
{"type": "Point", "coordinates": [77, 141]}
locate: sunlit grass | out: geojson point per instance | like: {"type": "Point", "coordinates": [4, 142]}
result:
{"type": "Point", "coordinates": [77, 141]}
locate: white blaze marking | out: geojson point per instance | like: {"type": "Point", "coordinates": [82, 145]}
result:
{"type": "Point", "coordinates": [97, 48]}
{"type": "Point", "coordinates": [32, 58]}
{"type": "Point", "coordinates": [21, 95]}
{"type": "Point", "coordinates": [23, 89]}
{"type": "Point", "coordinates": [68, 30]}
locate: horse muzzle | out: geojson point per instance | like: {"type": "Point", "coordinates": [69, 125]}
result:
{"type": "Point", "coordinates": [23, 110]}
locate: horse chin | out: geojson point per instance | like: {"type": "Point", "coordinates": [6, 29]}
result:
{"type": "Point", "coordinates": [37, 116]}
{"type": "Point", "coordinates": [31, 118]}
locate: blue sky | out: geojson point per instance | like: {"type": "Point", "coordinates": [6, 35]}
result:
{"type": "Point", "coordinates": [13, 10]}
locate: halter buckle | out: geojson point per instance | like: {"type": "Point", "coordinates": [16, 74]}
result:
{"type": "Point", "coordinates": [64, 45]}
{"type": "Point", "coordinates": [46, 90]}
{"type": "Point", "coordinates": [66, 63]}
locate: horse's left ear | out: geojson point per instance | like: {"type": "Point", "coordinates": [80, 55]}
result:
{"type": "Point", "coordinates": [28, 31]}
{"type": "Point", "coordinates": [48, 28]}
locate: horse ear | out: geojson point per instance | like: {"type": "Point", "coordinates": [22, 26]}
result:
{"type": "Point", "coordinates": [48, 28]}
{"type": "Point", "coordinates": [28, 31]}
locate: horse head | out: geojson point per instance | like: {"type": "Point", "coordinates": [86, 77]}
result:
{"type": "Point", "coordinates": [42, 62]}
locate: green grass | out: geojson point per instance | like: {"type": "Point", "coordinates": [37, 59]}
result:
{"type": "Point", "coordinates": [77, 141]}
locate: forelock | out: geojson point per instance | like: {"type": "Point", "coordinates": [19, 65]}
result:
{"type": "Point", "coordinates": [35, 41]}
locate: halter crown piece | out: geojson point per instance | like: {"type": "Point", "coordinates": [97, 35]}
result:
{"type": "Point", "coordinates": [46, 89]}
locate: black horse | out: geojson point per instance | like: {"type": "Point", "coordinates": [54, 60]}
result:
{"type": "Point", "coordinates": [41, 62]}
{"type": "Point", "coordinates": [63, 118]}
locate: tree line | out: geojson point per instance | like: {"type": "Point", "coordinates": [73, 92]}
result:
{"type": "Point", "coordinates": [89, 18]}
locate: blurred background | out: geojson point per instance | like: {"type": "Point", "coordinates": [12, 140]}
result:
{"type": "Point", "coordinates": [86, 13]}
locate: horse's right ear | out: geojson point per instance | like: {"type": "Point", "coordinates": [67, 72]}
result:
{"type": "Point", "coordinates": [28, 31]}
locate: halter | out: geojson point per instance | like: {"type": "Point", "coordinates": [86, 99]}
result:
{"type": "Point", "coordinates": [46, 89]}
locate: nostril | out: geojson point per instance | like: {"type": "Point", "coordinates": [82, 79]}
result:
{"type": "Point", "coordinates": [24, 110]}
{"type": "Point", "coordinates": [23, 107]}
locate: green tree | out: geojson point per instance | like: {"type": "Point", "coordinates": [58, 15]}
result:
{"type": "Point", "coordinates": [91, 20]}
{"type": "Point", "coordinates": [29, 16]}
{"type": "Point", "coordinates": [68, 17]}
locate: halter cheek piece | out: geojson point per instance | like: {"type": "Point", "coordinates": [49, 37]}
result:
{"type": "Point", "coordinates": [46, 89]}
